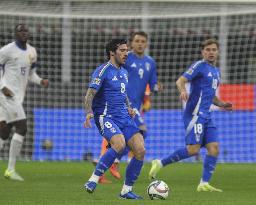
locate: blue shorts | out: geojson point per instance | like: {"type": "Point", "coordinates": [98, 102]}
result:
{"type": "Point", "coordinates": [108, 127]}
{"type": "Point", "coordinates": [200, 131]}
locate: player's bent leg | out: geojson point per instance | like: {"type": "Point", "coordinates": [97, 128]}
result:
{"type": "Point", "coordinates": [209, 165]}
{"type": "Point", "coordinates": [114, 170]}
{"type": "Point", "coordinates": [15, 148]}
{"type": "Point", "coordinates": [136, 143]}
{"type": "Point", "coordinates": [117, 146]}
{"type": "Point", "coordinates": [176, 156]}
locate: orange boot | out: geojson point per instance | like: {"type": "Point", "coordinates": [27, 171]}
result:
{"type": "Point", "coordinates": [104, 180]}
{"type": "Point", "coordinates": [114, 170]}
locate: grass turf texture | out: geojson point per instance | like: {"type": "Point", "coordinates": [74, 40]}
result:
{"type": "Point", "coordinates": [61, 183]}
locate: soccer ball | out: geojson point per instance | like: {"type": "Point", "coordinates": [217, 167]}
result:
{"type": "Point", "coordinates": [158, 190]}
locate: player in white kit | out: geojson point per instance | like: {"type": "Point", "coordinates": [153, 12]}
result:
{"type": "Point", "coordinates": [17, 67]}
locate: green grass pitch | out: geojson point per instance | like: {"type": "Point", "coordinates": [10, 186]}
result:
{"type": "Point", "coordinates": [61, 183]}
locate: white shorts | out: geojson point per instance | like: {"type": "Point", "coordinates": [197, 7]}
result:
{"type": "Point", "coordinates": [11, 110]}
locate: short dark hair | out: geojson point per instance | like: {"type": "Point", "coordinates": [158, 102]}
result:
{"type": "Point", "coordinates": [17, 27]}
{"type": "Point", "coordinates": [140, 33]}
{"type": "Point", "coordinates": [113, 44]}
{"type": "Point", "coordinates": [208, 42]}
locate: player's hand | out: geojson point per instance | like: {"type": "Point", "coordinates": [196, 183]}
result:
{"type": "Point", "coordinates": [45, 83]}
{"type": "Point", "coordinates": [132, 112]}
{"type": "Point", "coordinates": [87, 123]}
{"type": "Point", "coordinates": [7, 92]}
{"type": "Point", "coordinates": [184, 96]}
{"type": "Point", "coordinates": [227, 106]}
{"type": "Point", "coordinates": [146, 103]}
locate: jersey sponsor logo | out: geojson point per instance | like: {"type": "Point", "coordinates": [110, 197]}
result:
{"type": "Point", "coordinates": [147, 65]}
{"type": "Point", "coordinates": [114, 78]}
{"type": "Point", "coordinates": [190, 71]}
{"type": "Point", "coordinates": [134, 65]}
{"type": "Point", "coordinates": [96, 81]}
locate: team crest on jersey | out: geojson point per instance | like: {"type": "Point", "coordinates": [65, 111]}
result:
{"type": "Point", "coordinates": [134, 65]}
{"type": "Point", "coordinates": [96, 81]}
{"type": "Point", "coordinates": [190, 71]}
{"type": "Point", "coordinates": [147, 65]}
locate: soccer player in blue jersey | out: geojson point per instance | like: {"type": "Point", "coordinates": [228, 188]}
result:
{"type": "Point", "coordinates": [141, 70]}
{"type": "Point", "coordinates": [106, 100]}
{"type": "Point", "coordinates": [204, 78]}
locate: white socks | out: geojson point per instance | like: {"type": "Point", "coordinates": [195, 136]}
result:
{"type": "Point", "coordinates": [202, 182]}
{"type": "Point", "coordinates": [94, 178]}
{"type": "Point", "coordinates": [126, 189]}
{"type": "Point", "coordinates": [15, 147]}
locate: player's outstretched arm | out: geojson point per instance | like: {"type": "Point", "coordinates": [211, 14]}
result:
{"type": "Point", "coordinates": [225, 105]}
{"type": "Point", "coordinates": [88, 106]}
{"type": "Point", "coordinates": [181, 82]}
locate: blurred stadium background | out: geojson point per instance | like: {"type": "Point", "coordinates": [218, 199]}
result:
{"type": "Point", "coordinates": [70, 37]}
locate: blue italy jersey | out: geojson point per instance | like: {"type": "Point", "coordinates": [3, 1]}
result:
{"type": "Point", "coordinates": [204, 79]}
{"type": "Point", "coordinates": [141, 71]}
{"type": "Point", "coordinates": [111, 83]}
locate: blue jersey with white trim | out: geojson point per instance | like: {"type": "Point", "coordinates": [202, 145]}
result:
{"type": "Point", "coordinates": [111, 83]}
{"type": "Point", "coordinates": [204, 79]}
{"type": "Point", "coordinates": [141, 71]}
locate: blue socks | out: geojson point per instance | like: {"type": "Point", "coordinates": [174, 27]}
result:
{"type": "Point", "coordinates": [209, 167]}
{"type": "Point", "coordinates": [105, 162]}
{"type": "Point", "coordinates": [133, 171]}
{"type": "Point", "coordinates": [176, 156]}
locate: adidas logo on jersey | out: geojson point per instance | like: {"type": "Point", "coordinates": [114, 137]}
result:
{"type": "Point", "coordinates": [209, 74]}
{"type": "Point", "coordinates": [134, 65]}
{"type": "Point", "coordinates": [114, 78]}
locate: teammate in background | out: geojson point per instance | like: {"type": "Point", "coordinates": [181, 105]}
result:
{"type": "Point", "coordinates": [141, 73]}
{"type": "Point", "coordinates": [204, 77]}
{"type": "Point", "coordinates": [106, 100]}
{"type": "Point", "coordinates": [17, 63]}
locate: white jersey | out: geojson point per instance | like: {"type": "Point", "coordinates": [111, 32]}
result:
{"type": "Point", "coordinates": [16, 66]}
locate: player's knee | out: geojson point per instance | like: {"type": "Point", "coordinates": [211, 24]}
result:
{"type": "Point", "coordinates": [21, 127]}
{"type": "Point", "coordinates": [213, 150]}
{"type": "Point", "coordinates": [5, 130]}
{"type": "Point", "coordinates": [119, 147]}
{"type": "Point", "coordinates": [140, 153]}
{"type": "Point", "coordinates": [193, 149]}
